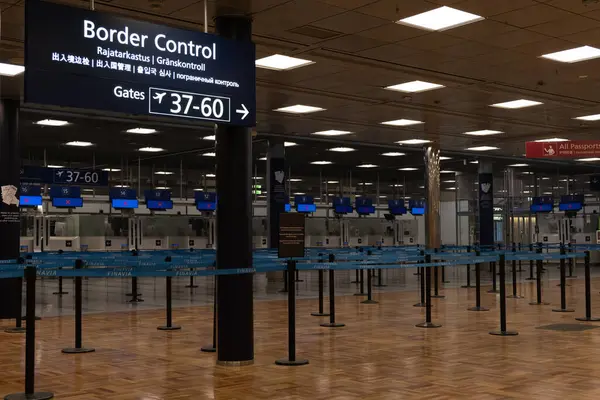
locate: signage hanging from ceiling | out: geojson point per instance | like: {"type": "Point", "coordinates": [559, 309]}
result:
{"type": "Point", "coordinates": [571, 149]}
{"type": "Point", "coordinates": [86, 59]}
{"type": "Point", "coordinates": [64, 176]}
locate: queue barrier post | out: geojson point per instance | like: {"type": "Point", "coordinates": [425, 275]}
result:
{"type": "Point", "coordinates": [538, 280]}
{"type": "Point", "coordinates": [60, 291]}
{"type": "Point", "coordinates": [421, 275]}
{"type": "Point", "coordinates": [494, 285]}
{"type": "Point", "coordinates": [212, 348]}
{"type": "Point", "coordinates": [531, 278]}
{"type": "Point", "coordinates": [428, 323]}
{"type": "Point", "coordinates": [321, 312]}
{"type": "Point", "coordinates": [379, 278]}
{"type": "Point", "coordinates": [563, 284]}
{"type": "Point", "coordinates": [291, 360]}
{"type": "Point", "coordinates": [572, 263]}
{"type": "Point", "coordinates": [78, 349]}
{"type": "Point", "coordinates": [332, 323]}
{"type": "Point", "coordinates": [285, 282]}
{"type": "Point", "coordinates": [468, 285]}
{"type": "Point", "coordinates": [30, 393]}
{"type": "Point", "coordinates": [361, 282]}
{"type": "Point", "coordinates": [514, 294]}
{"type": "Point", "coordinates": [588, 291]}
{"type": "Point", "coordinates": [436, 283]}
{"type": "Point", "coordinates": [503, 331]}
{"type": "Point", "coordinates": [478, 306]}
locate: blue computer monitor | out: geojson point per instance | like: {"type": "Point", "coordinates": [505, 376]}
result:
{"type": "Point", "coordinates": [288, 207]}
{"type": "Point", "coordinates": [342, 209]}
{"type": "Point", "coordinates": [365, 210]}
{"type": "Point", "coordinates": [570, 206]}
{"type": "Point", "coordinates": [159, 204]}
{"type": "Point", "coordinates": [306, 208]}
{"type": "Point", "coordinates": [67, 202]}
{"type": "Point", "coordinates": [417, 211]}
{"type": "Point", "coordinates": [541, 208]}
{"type": "Point", "coordinates": [401, 210]}
{"type": "Point", "coordinates": [206, 206]}
{"type": "Point", "coordinates": [30, 201]}
{"type": "Point", "coordinates": [124, 203]}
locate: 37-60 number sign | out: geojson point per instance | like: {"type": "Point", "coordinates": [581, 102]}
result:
{"type": "Point", "coordinates": [75, 176]}
{"type": "Point", "coordinates": [190, 105]}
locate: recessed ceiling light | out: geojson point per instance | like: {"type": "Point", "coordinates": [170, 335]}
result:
{"type": "Point", "coordinates": [52, 122]}
{"type": "Point", "coordinates": [444, 158]}
{"type": "Point", "coordinates": [55, 166]}
{"type": "Point", "coordinates": [414, 141]}
{"type": "Point", "coordinates": [121, 186]}
{"type": "Point", "coordinates": [11, 69]}
{"type": "Point", "coordinates": [402, 122]}
{"type": "Point", "coordinates": [440, 19]}
{"type": "Point", "coordinates": [519, 165]}
{"type": "Point", "coordinates": [414, 87]}
{"type": "Point", "coordinates": [299, 109]}
{"type": "Point", "coordinates": [142, 131]}
{"type": "Point", "coordinates": [257, 177]}
{"type": "Point", "coordinates": [209, 154]}
{"type": "Point", "coordinates": [483, 132]}
{"type": "Point", "coordinates": [450, 188]}
{"type": "Point", "coordinates": [482, 148]}
{"type": "Point", "coordinates": [421, 187]}
{"type": "Point", "coordinates": [279, 62]}
{"type": "Point", "coordinates": [445, 171]}
{"type": "Point", "coordinates": [393, 154]}
{"type": "Point", "coordinates": [408, 169]}
{"type": "Point", "coordinates": [366, 183]}
{"type": "Point", "coordinates": [367, 166]}
{"type": "Point", "coordinates": [262, 159]}
{"type": "Point", "coordinates": [210, 175]}
{"type": "Point", "coordinates": [79, 144]}
{"type": "Point", "coordinates": [396, 185]}
{"type": "Point", "coordinates": [342, 149]}
{"type": "Point", "coordinates": [522, 103]}
{"type": "Point", "coordinates": [299, 194]}
{"type": "Point", "coordinates": [331, 132]}
{"type": "Point", "coordinates": [211, 137]}
{"type": "Point", "coordinates": [527, 173]}
{"type": "Point", "coordinates": [551, 140]}
{"type": "Point", "coordinates": [383, 196]}
{"type": "Point", "coordinates": [574, 55]}
{"type": "Point", "coordinates": [450, 181]}
{"type": "Point", "coordinates": [162, 188]}
{"type": "Point", "coordinates": [151, 149]}
{"type": "Point", "coordinates": [295, 180]}
{"type": "Point", "coordinates": [332, 182]}
{"type": "Point", "coordinates": [474, 162]}
{"type": "Point", "coordinates": [199, 190]}
{"type": "Point", "coordinates": [545, 178]}
{"type": "Point", "coordinates": [163, 173]}
{"type": "Point", "coordinates": [111, 169]}
{"type": "Point", "coordinates": [289, 144]}
{"type": "Point", "coordinates": [589, 159]}
{"type": "Point", "coordinates": [593, 117]}
{"type": "Point", "coordinates": [321, 163]}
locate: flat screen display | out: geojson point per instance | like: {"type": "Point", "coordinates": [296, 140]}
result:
{"type": "Point", "coordinates": [30, 201]}
{"type": "Point", "coordinates": [306, 208]}
{"type": "Point", "coordinates": [206, 206]}
{"type": "Point", "coordinates": [288, 208]}
{"type": "Point", "coordinates": [364, 210]}
{"type": "Point", "coordinates": [570, 206]}
{"type": "Point", "coordinates": [66, 202]}
{"type": "Point", "coordinates": [417, 211]}
{"type": "Point", "coordinates": [398, 210]}
{"type": "Point", "coordinates": [541, 208]}
{"type": "Point", "coordinates": [124, 203]}
{"type": "Point", "coordinates": [159, 204]}
{"type": "Point", "coordinates": [342, 209]}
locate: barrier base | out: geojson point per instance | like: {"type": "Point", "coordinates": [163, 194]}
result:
{"type": "Point", "coordinates": [382, 285]}
{"type": "Point", "coordinates": [74, 350]}
{"type": "Point", "coordinates": [318, 314]}
{"type": "Point", "coordinates": [420, 305]}
{"type": "Point", "coordinates": [591, 319]}
{"type": "Point", "coordinates": [60, 293]}
{"type": "Point", "coordinates": [24, 317]}
{"type": "Point", "coordinates": [478, 309]}
{"type": "Point", "coordinates": [135, 300]}
{"type": "Point", "coordinates": [208, 349]}
{"type": "Point", "coordinates": [369, 302]}
{"type": "Point", "coordinates": [169, 328]}
{"type": "Point", "coordinates": [428, 325]}
{"type": "Point", "coordinates": [438, 296]}
{"type": "Point", "coordinates": [467, 286]}
{"type": "Point", "coordinates": [559, 285]}
{"type": "Point", "coordinates": [333, 325]}
{"type": "Point", "coordinates": [15, 330]}
{"type": "Point", "coordinates": [535, 303]}
{"type": "Point", "coordinates": [360, 294]}
{"type": "Point", "coordinates": [295, 363]}
{"type": "Point", "coordinates": [191, 286]}
{"type": "Point", "coordinates": [514, 296]}
{"type": "Point", "coordinates": [563, 310]}
{"type": "Point", "coordinates": [504, 333]}
{"type": "Point", "coordinates": [31, 396]}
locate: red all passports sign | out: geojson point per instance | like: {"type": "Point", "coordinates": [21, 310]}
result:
{"type": "Point", "coordinates": [572, 149]}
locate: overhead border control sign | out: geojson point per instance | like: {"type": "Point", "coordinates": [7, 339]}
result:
{"type": "Point", "coordinates": [92, 60]}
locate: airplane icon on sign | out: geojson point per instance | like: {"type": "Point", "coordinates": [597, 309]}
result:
{"type": "Point", "coordinates": [59, 173]}
{"type": "Point", "coordinates": [159, 97]}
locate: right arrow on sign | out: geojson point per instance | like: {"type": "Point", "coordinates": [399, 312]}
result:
{"type": "Point", "coordinates": [243, 111]}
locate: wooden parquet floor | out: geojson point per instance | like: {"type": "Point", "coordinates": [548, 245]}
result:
{"type": "Point", "coordinates": [380, 354]}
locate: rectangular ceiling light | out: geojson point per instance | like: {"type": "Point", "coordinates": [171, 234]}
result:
{"type": "Point", "coordinates": [519, 165]}
{"type": "Point", "coordinates": [402, 122]}
{"type": "Point", "coordinates": [551, 140]}
{"type": "Point", "coordinates": [210, 175]}
{"type": "Point", "coordinates": [440, 19]}
{"type": "Point", "coordinates": [211, 137]}
{"type": "Point", "coordinates": [366, 183]}
{"type": "Point", "coordinates": [396, 185]}
{"type": "Point", "coordinates": [482, 148]}
{"type": "Point", "coordinates": [262, 159]}
{"type": "Point", "coordinates": [163, 173]}
{"type": "Point", "coordinates": [142, 131]}
{"type": "Point", "coordinates": [151, 149]}
{"type": "Point", "coordinates": [11, 69]}
{"type": "Point", "coordinates": [332, 182]}
{"type": "Point", "coordinates": [445, 171]}
{"type": "Point", "coordinates": [299, 109]}
{"type": "Point", "coordinates": [279, 62]}
{"type": "Point", "coordinates": [332, 132]}
{"type": "Point", "coordinates": [483, 132]}
{"type": "Point", "coordinates": [393, 154]}
{"type": "Point", "coordinates": [414, 87]}
{"type": "Point", "coordinates": [367, 166]}
{"type": "Point", "coordinates": [54, 166]}
{"type": "Point", "coordinates": [121, 186]}
{"type": "Point", "coordinates": [522, 103]}
{"type": "Point", "coordinates": [111, 169]}
{"type": "Point", "coordinates": [321, 163]}
{"type": "Point", "coordinates": [79, 144]}
{"type": "Point", "coordinates": [289, 144]}
{"type": "Point", "coordinates": [209, 154]}
{"type": "Point", "coordinates": [295, 180]}
{"type": "Point", "coordinates": [52, 122]}
{"type": "Point", "coordinates": [444, 158]}
{"type": "Point", "coordinates": [593, 117]}
{"type": "Point", "coordinates": [342, 149]}
{"type": "Point", "coordinates": [574, 55]}
{"type": "Point", "coordinates": [474, 162]}
{"type": "Point", "coordinates": [413, 141]}
{"type": "Point", "coordinates": [589, 159]}
{"type": "Point", "coordinates": [408, 169]}
{"type": "Point", "coordinates": [450, 181]}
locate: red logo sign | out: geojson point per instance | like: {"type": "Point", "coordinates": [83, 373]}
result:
{"type": "Point", "coordinates": [571, 149]}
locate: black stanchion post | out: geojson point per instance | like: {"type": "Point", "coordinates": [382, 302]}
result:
{"type": "Point", "coordinates": [30, 393]}
{"type": "Point", "coordinates": [468, 285]}
{"type": "Point", "coordinates": [514, 294]}
{"type": "Point", "coordinates": [285, 282]}
{"type": "Point", "coordinates": [332, 323]}
{"type": "Point", "coordinates": [379, 278]}
{"type": "Point", "coordinates": [78, 349]}
{"type": "Point", "coordinates": [436, 285]}
{"type": "Point", "coordinates": [588, 291]}
{"type": "Point", "coordinates": [192, 285]}
{"type": "Point", "coordinates": [494, 285]}
{"type": "Point", "coordinates": [428, 323]}
{"type": "Point", "coordinates": [503, 331]}
{"type": "Point", "coordinates": [356, 279]}
{"type": "Point", "coordinates": [60, 285]}
{"type": "Point", "coordinates": [369, 299]}
{"type": "Point", "coordinates": [212, 348]}
{"type": "Point", "coordinates": [421, 274]}
{"type": "Point", "coordinates": [538, 280]}
{"type": "Point", "coordinates": [291, 360]}
{"type": "Point", "coordinates": [563, 284]}
{"type": "Point", "coordinates": [572, 262]}
{"type": "Point", "coordinates": [322, 312]}
{"type": "Point", "coordinates": [531, 278]}
{"type": "Point", "coordinates": [361, 281]}
{"type": "Point", "coordinates": [18, 328]}
{"type": "Point", "coordinates": [169, 325]}
{"type": "Point", "coordinates": [478, 306]}
{"type": "Point", "coordinates": [135, 296]}
{"type": "Point", "coordinates": [298, 277]}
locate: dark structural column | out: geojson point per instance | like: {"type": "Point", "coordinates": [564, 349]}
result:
{"type": "Point", "coordinates": [486, 204]}
{"type": "Point", "coordinates": [276, 184]}
{"type": "Point", "coordinates": [10, 167]}
{"type": "Point", "coordinates": [235, 335]}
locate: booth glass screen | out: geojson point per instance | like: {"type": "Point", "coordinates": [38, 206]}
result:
{"type": "Point", "coordinates": [364, 210]}
{"type": "Point", "coordinates": [159, 204]}
{"type": "Point", "coordinates": [342, 209]}
{"type": "Point", "coordinates": [30, 201]}
{"type": "Point", "coordinates": [307, 208]}
{"type": "Point", "coordinates": [417, 211]}
{"type": "Point", "coordinates": [570, 206]}
{"type": "Point", "coordinates": [398, 211]}
{"type": "Point", "coordinates": [206, 206]}
{"type": "Point", "coordinates": [124, 203]}
{"type": "Point", "coordinates": [65, 202]}
{"type": "Point", "coordinates": [288, 208]}
{"type": "Point", "coordinates": [541, 208]}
